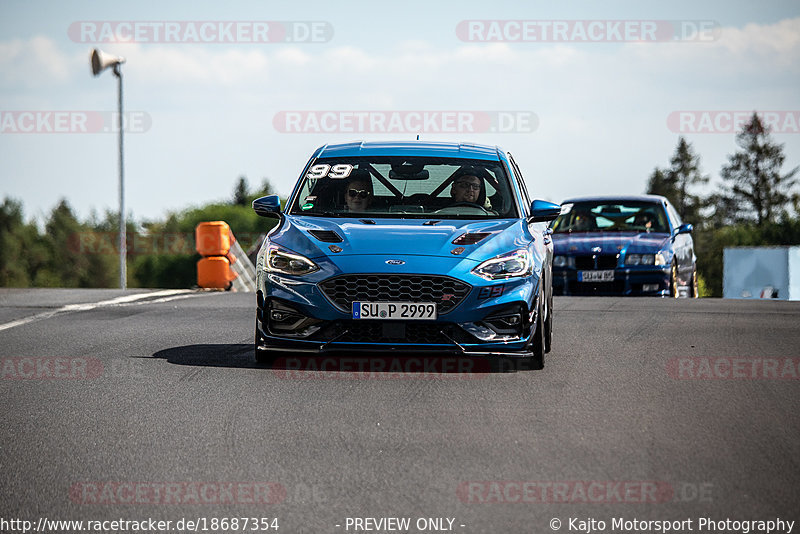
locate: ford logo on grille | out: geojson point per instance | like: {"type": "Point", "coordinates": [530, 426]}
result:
{"type": "Point", "coordinates": [395, 262]}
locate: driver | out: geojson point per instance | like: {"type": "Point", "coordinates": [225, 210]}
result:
{"type": "Point", "coordinates": [466, 188]}
{"type": "Point", "coordinates": [644, 218]}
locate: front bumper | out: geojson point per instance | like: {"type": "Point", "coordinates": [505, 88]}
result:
{"type": "Point", "coordinates": [276, 344]}
{"type": "Point", "coordinates": [493, 319]}
{"type": "Point", "coordinates": [628, 281]}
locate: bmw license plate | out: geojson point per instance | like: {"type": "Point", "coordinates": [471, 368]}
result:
{"type": "Point", "coordinates": [404, 311]}
{"type": "Point", "coordinates": [596, 276]}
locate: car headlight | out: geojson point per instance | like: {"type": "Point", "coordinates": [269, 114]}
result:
{"type": "Point", "coordinates": [511, 265]}
{"type": "Point", "coordinates": [563, 261]}
{"type": "Point", "coordinates": [645, 259]}
{"type": "Point", "coordinates": [285, 262]}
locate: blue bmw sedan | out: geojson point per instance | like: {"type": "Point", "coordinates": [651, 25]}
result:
{"type": "Point", "coordinates": [407, 246]}
{"type": "Point", "coordinates": [633, 245]}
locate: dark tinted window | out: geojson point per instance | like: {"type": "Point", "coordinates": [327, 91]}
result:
{"type": "Point", "coordinates": [611, 216]}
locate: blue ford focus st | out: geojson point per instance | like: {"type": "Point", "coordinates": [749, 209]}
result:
{"type": "Point", "coordinates": [408, 246]}
{"type": "Point", "coordinates": [633, 245]}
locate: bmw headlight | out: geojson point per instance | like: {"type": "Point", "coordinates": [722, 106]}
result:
{"type": "Point", "coordinates": [563, 261]}
{"type": "Point", "coordinates": [645, 259]}
{"type": "Point", "coordinates": [512, 265]}
{"type": "Point", "coordinates": [285, 262]}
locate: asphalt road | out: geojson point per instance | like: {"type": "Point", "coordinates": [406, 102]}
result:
{"type": "Point", "coordinates": [647, 409]}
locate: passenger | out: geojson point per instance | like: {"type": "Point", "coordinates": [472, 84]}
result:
{"type": "Point", "coordinates": [583, 221]}
{"type": "Point", "coordinates": [358, 192]}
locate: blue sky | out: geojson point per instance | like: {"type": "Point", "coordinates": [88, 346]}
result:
{"type": "Point", "coordinates": [602, 107]}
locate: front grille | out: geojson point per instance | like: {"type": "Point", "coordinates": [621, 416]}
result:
{"type": "Point", "coordinates": [446, 292]}
{"type": "Point", "coordinates": [607, 261]}
{"type": "Point", "coordinates": [604, 262]}
{"type": "Point", "coordinates": [377, 332]}
{"type": "Point", "coordinates": [584, 263]}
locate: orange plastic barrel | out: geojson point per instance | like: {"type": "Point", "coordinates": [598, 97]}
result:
{"type": "Point", "coordinates": [214, 273]}
{"type": "Point", "coordinates": [213, 238]}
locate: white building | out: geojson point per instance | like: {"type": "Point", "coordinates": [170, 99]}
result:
{"type": "Point", "coordinates": [761, 272]}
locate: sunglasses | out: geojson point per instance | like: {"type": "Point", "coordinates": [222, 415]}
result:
{"type": "Point", "coordinates": [358, 193]}
{"type": "Point", "coordinates": [465, 185]}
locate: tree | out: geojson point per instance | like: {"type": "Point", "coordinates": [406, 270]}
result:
{"type": "Point", "coordinates": [684, 173]}
{"type": "Point", "coordinates": [660, 184]}
{"type": "Point", "coordinates": [67, 266]}
{"type": "Point", "coordinates": [757, 190]}
{"type": "Point", "coordinates": [676, 182]}
{"type": "Point", "coordinates": [13, 261]}
{"type": "Point", "coordinates": [265, 189]}
{"type": "Point", "coordinates": [241, 193]}
{"type": "Point", "coordinates": [725, 210]}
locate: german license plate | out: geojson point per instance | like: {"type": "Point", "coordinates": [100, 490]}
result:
{"type": "Point", "coordinates": [596, 276]}
{"type": "Point", "coordinates": [404, 311]}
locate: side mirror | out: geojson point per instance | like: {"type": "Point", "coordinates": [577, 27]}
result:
{"type": "Point", "coordinates": [269, 206]}
{"type": "Point", "coordinates": [684, 229]}
{"type": "Point", "coordinates": [543, 211]}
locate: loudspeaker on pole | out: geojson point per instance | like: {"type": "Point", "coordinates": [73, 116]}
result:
{"type": "Point", "coordinates": [101, 60]}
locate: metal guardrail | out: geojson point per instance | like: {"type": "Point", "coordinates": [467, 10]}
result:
{"type": "Point", "coordinates": [244, 269]}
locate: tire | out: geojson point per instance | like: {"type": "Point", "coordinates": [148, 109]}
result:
{"type": "Point", "coordinates": [673, 281]}
{"type": "Point", "coordinates": [537, 346]}
{"type": "Point", "coordinates": [548, 327]}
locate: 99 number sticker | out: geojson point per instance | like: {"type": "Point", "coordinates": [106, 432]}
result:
{"type": "Point", "coordinates": [342, 170]}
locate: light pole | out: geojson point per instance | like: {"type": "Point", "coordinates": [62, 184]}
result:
{"type": "Point", "coordinates": [101, 61]}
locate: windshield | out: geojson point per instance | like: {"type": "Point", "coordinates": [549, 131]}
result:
{"type": "Point", "coordinates": [405, 187]}
{"type": "Point", "coordinates": [611, 216]}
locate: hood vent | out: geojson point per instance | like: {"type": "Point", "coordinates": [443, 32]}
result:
{"type": "Point", "coordinates": [326, 236]}
{"type": "Point", "coordinates": [471, 238]}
